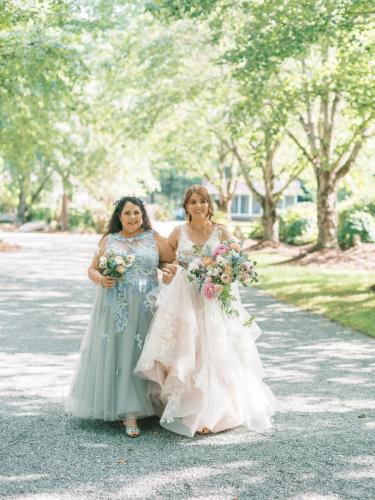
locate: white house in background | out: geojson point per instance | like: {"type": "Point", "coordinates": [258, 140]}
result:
{"type": "Point", "coordinates": [245, 206]}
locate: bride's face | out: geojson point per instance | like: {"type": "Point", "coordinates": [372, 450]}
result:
{"type": "Point", "coordinates": [131, 217]}
{"type": "Point", "coordinates": [197, 207]}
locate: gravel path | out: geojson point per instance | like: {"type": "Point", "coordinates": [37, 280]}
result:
{"type": "Point", "coordinates": [322, 446]}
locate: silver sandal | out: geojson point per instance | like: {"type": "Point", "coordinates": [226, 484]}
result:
{"type": "Point", "coordinates": [131, 430]}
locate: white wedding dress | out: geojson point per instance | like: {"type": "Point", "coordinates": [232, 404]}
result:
{"type": "Point", "coordinates": [204, 367]}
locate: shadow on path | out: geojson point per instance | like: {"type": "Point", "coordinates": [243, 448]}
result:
{"type": "Point", "coordinates": [320, 447]}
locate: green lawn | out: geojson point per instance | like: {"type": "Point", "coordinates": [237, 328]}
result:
{"type": "Point", "coordinates": [341, 295]}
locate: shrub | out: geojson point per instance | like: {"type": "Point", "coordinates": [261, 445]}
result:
{"type": "Point", "coordinates": [220, 217]}
{"type": "Point", "coordinates": [80, 219]}
{"type": "Point", "coordinates": [45, 214]}
{"type": "Point", "coordinates": [298, 224]}
{"type": "Point", "coordinates": [353, 222]}
{"type": "Point", "coordinates": [256, 230]}
{"type": "Point", "coordinates": [163, 212]}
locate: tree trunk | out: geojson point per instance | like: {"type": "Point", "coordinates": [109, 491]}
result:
{"type": "Point", "coordinates": [65, 212]}
{"type": "Point", "coordinates": [64, 219]}
{"type": "Point", "coordinates": [225, 205]}
{"type": "Point", "coordinates": [270, 220]}
{"type": "Point", "coordinates": [22, 207]}
{"type": "Point", "coordinates": [326, 206]}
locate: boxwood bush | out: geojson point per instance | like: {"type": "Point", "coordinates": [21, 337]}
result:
{"type": "Point", "coordinates": [356, 221]}
{"type": "Point", "coordinates": [298, 224]}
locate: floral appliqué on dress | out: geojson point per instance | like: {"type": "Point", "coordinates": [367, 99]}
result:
{"type": "Point", "coordinates": [141, 277]}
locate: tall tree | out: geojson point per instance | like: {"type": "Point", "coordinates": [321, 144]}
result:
{"type": "Point", "coordinates": [40, 68]}
{"type": "Point", "coordinates": [327, 47]}
{"type": "Point", "coordinates": [336, 119]}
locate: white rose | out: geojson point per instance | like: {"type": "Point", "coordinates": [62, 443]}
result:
{"type": "Point", "coordinates": [102, 261]}
{"type": "Point", "coordinates": [221, 261]}
{"type": "Point", "coordinates": [192, 267]}
{"type": "Point", "coordinates": [131, 259]}
{"type": "Point", "coordinates": [119, 260]}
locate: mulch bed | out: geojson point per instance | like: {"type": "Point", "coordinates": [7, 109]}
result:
{"type": "Point", "coordinates": [361, 257]}
{"type": "Point", "coordinates": [8, 247]}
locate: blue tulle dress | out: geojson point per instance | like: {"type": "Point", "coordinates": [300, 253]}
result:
{"type": "Point", "coordinates": [104, 386]}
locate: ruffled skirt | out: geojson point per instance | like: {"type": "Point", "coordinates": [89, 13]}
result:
{"type": "Point", "coordinates": [204, 367]}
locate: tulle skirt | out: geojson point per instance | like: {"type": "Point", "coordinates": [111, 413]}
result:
{"type": "Point", "coordinates": [204, 367]}
{"type": "Point", "coordinates": [104, 385]}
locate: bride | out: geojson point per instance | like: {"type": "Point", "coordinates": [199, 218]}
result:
{"type": "Point", "coordinates": [205, 371]}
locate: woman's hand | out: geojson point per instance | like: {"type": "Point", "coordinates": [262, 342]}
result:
{"type": "Point", "coordinates": [106, 282]}
{"type": "Point", "coordinates": [169, 270]}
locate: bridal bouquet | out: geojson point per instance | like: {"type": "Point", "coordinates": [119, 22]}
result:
{"type": "Point", "coordinates": [215, 272]}
{"type": "Point", "coordinates": [114, 264]}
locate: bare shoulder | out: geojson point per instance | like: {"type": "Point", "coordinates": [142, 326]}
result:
{"type": "Point", "coordinates": [103, 241]}
{"type": "Point", "coordinates": [175, 234]}
{"type": "Point", "coordinates": [158, 237]}
{"type": "Point", "coordinates": [102, 245]}
{"type": "Point", "coordinates": [174, 237]}
{"type": "Point", "coordinates": [223, 232]}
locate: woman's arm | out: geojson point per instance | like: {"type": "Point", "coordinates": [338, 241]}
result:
{"type": "Point", "coordinates": [93, 270]}
{"type": "Point", "coordinates": [169, 270]}
{"type": "Point", "coordinates": [166, 251]}
{"type": "Point", "coordinates": [174, 238]}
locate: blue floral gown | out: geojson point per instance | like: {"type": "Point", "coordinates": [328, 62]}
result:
{"type": "Point", "coordinates": [104, 386]}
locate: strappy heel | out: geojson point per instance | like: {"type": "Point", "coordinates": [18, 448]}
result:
{"type": "Point", "coordinates": [204, 431]}
{"type": "Point", "coordinates": [131, 429]}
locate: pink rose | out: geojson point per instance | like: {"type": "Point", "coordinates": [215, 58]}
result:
{"type": "Point", "coordinates": [219, 250]}
{"type": "Point", "coordinates": [208, 279]}
{"type": "Point", "coordinates": [245, 278]}
{"type": "Point", "coordinates": [209, 291]}
{"type": "Point", "coordinates": [218, 289]}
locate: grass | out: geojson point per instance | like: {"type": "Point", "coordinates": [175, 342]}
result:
{"type": "Point", "coordinates": [340, 295]}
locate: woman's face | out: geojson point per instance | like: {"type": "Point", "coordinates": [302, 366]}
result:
{"type": "Point", "coordinates": [131, 217]}
{"type": "Point", "coordinates": [197, 207]}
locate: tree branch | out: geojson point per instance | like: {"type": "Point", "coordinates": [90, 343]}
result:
{"type": "Point", "coordinates": [301, 147]}
{"type": "Point", "coordinates": [292, 178]}
{"type": "Point", "coordinates": [244, 172]}
{"type": "Point", "coordinates": [36, 193]}
{"type": "Point", "coordinates": [344, 169]}
{"type": "Point", "coordinates": [336, 168]}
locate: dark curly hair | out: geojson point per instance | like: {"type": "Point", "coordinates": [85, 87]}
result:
{"type": "Point", "coordinates": [114, 225]}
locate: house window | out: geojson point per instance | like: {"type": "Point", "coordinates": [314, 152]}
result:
{"type": "Point", "coordinates": [256, 208]}
{"type": "Point", "coordinates": [289, 201]}
{"type": "Point", "coordinates": [234, 208]}
{"type": "Point", "coordinates": [244, 207]}
{"type": "Point", "coordinates": [240, 204]}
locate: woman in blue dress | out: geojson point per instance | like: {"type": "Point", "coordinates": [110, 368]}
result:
{"type": "Point", "coordinates": [104, 386]}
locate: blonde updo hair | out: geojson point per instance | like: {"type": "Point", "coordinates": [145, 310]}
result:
{"type": "Point", "coordinates": [202, 191]}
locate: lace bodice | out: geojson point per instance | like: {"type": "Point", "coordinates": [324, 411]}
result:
{"type": "Point", "coordinates": [141, 277]}
{"type": "Point", "coordinates": [145, 251]}
{"type": "Point", "coordinates": [185, 249]}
